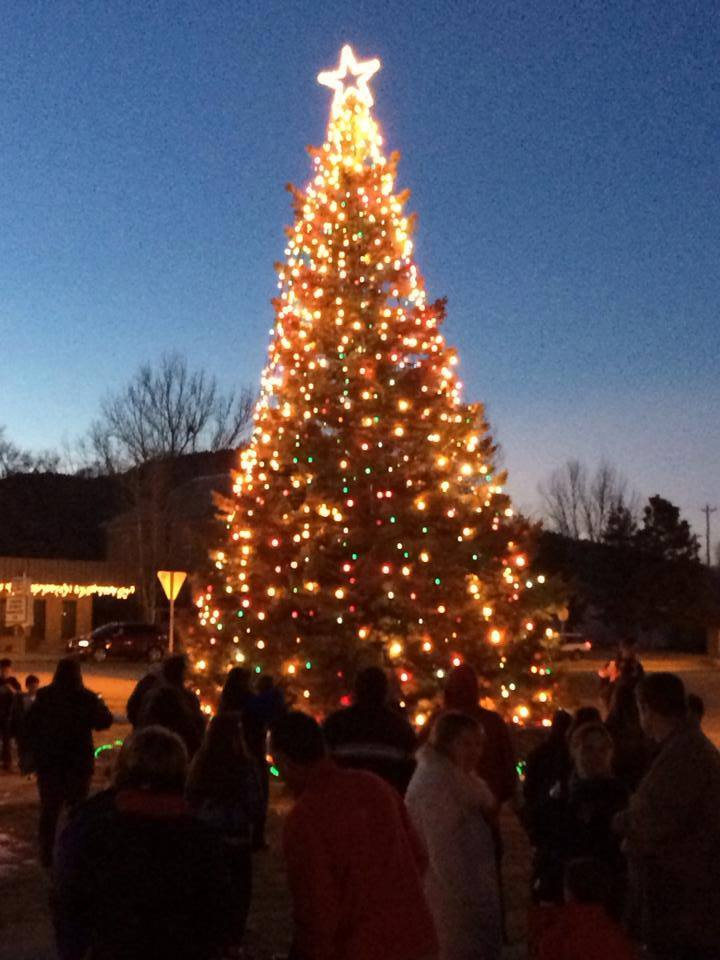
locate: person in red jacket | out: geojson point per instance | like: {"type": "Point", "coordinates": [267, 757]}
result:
{"type": "Point", "coordinates": [353, 861]}
{"type": "Point", "coordinates": [582, 929]}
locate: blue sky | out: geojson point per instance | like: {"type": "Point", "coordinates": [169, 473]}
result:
{"type": "Point", "coordinates": [563, 160]}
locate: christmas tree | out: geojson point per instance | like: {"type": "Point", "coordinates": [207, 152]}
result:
{"type": "Point", "coordinates": [368, 523]}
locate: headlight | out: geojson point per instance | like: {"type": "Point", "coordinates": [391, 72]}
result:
{"type": "Point", "coordinates": [83, 643]}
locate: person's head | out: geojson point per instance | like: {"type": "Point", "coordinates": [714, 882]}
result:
{"type": "Point", "coordinates": [68, 675]}
{"type": "Point", "coordinates": [236, 688]}
{"type": "Point", "coordinates": [627, 646]}
{"type": "Point", "coordinates": [662, 704]}
{"type": "Point", "coordinates": [585, 714]}
{"type": "Point", "coordinates": [582, 716]}
{"type": "Point", "coordinates": [588, 881]}
{"type": "Point", "coordinates": [266, 683]}
{"type": "Point", "coordinates": [458, 737]}
{"type": "Point", "coordinates": [462, 690]}
{"type": "Point", "coordinates": [219, 767]}
{"type": "Point", "coordinates": [5, 667]}
{"type": "Point", "coordinates": [695, 708]}
{"type": "Point", "coordinates": [174, 669]}
{"type": "Point", "coordinates": [371, 687]}
{"type": "Point", "coordinates": [591, 749]}
{"type": "Point", "coordinates": [153, 759]}
{"type": "Point", "coordinates": [32, 683]}
{"type": "Point", "coordinates": [297, 746]}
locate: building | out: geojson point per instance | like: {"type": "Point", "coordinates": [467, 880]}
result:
{"type": "Point", "coordinates": [89, 548]}
{"type": "Point", "coordinates": [61, 596]}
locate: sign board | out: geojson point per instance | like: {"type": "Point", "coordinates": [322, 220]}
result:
{"type": "Point", "coordinates": [19, 605]}
{"type": "Point", "coordinates": [171, 581]}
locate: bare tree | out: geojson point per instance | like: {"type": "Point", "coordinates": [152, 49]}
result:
{"type": "Point", "coordinates": [579, 504]}
{"type": "Point", "coordinates": [13, 459]}
{"type": "Point", "coordinates": [167, 412]}
{"type": "Point", "coordinates": [163, 413]}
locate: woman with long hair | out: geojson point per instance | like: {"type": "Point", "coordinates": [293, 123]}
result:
{"type": "Point", "coordinates": [223, 789]}
{"type": "Point", "coordinates": [451, 808]}
{"type": "Point", "coordinates": [59, 728]}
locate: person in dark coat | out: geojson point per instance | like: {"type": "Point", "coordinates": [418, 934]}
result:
{"type": "Point", "coordinates": [21, 707]}
{"type": "Point", "coordinates": [151, 681]}
{"type": "Point", "coordinates": [223, 790]}
{"type": "Point", "coordinates": [549, 763]}
{"type": "Point", "coordinates": [9, 689]}
{"type": "Point", "coordinates": [168, 703]}
{"type": "Point", "coordinates": [137, 876]}
{"type": "Point", "coordinates": [372, 735]}
{"type": "Point", "coordinates": [239, 700]}
{"type": "Point", "coordinates": [671, 831]}
{"type": "Point", "coordinates": [59, 728]}
{"type": "Point", "coordinates": [576, 821]}
{"type": "Point", "coordinates": [633, 750]}
{"type": "Point", "coordinates": [625, 667]}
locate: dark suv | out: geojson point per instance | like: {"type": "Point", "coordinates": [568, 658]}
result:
{"type": "Point", "coordinates": [132, 641]}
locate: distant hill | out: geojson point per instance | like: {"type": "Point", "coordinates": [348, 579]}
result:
{"type": "Point", "coordinates": [57, 515]}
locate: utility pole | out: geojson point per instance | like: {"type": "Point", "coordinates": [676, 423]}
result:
{"type": "Point", "coordinates": [707, 510]}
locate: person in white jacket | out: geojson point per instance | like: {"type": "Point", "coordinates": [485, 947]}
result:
{"type": "Point", "coordinates": [449, 805]}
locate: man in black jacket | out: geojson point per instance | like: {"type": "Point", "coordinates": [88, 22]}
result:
{"type": "Point", "coordinates": [371, 734]}
{"type": "Point", "coordinates": [59, 728]}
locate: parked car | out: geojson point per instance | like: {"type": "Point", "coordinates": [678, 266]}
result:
{"type": "Point", "coordinates": [132, 641]}
{"type": "Point", "coordinates": [574, 645]}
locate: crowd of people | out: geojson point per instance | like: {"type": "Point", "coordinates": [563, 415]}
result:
{"type": "Point", "coordinates": [393, 846]}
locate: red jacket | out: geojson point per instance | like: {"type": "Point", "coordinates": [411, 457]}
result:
{"type": "Point", "coordinates": [584, 931]}
{"type": "Point", "coordinates": [354, 869]}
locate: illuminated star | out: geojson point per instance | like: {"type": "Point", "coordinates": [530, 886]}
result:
{"type": "Point", "coordinates": [359, 72]}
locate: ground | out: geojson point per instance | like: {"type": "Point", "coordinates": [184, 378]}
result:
{"type": "Point", "coordinates": [25, 931]}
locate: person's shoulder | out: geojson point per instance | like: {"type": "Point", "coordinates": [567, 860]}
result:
{"type": "Point", "coordinates": [336, 723]}
{"type": "Point", "coordinates": [491, 720]}
{"type": "Point", "coordinates": [369, 786]}
{"type": "Point", "coordinates": [340, 716]}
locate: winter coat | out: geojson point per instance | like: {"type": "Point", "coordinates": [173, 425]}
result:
{"type": "Point", "coordinates": [447, 807]}
{"type": "Point", "coordinates": [672, 839]}
{"type": "Point", "coordinates": [142, 689]}
{"type": "Point", "coordinates": [353, 864]}
{"type": "Point", "coordinates": [59, 725]}
{"type": "Point", "coordinates": [577, 823]}
{"type": "Point", "coordinates": [583, 931]}
{"type": "Point", "coordinates": [176, 709]}
{"type": "Point", "coordinates": [374, 738]}
{"type": "Point", "coordinates": [18, 729]}
{"type": "Point", "coordinates": [230, 807]}
{"type": "Point", "coordinates": [138, 878]}
{"type": "Point", "coordinates": [9, 688]}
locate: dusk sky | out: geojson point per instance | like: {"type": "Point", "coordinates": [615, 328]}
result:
{"type": "Point", "coordinates": [564, 164]}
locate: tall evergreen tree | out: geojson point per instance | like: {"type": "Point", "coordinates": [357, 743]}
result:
{"type": "Point", "coordinates": [369, 522]}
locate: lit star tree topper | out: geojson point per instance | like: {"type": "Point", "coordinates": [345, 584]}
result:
{"type": "Point", "coordinates": [368, 522]}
